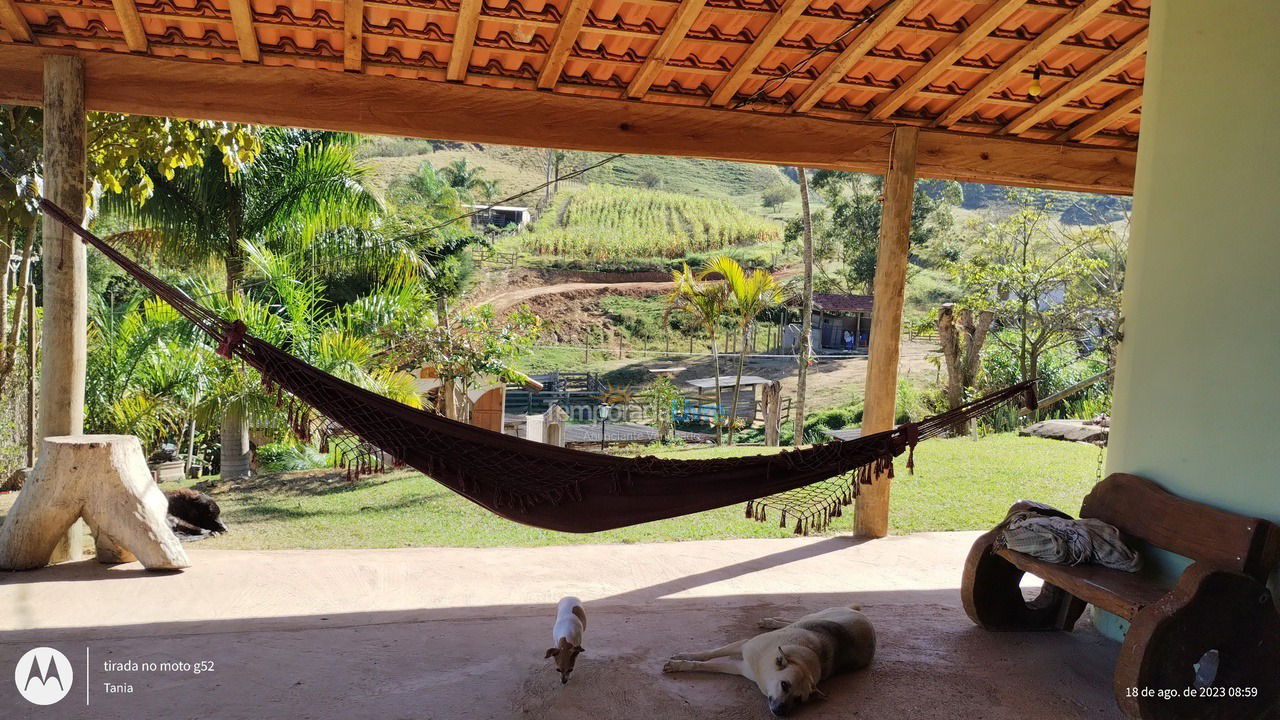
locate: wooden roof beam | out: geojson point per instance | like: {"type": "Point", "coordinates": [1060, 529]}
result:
{"type": "Point", "coordinates": [1099, 121]}
{"type": "Point", "coordinates": [672, 35]}
{"type": "Point", "coordinates": [387, 105]}
{"type": "Point", "coordinates": [246, 36]}
{"type": "Point", "coordinates": [562, 44]}
{"type": "Point", "coordinates": [978, 31]}
{"type": "Point", "coordinates": [353, 35]}
{"type": "Point", "coordinates": [13, 22]}
{"type": "Point", "coordinates": [1030, 54]}
{"type": "Point", "coordinates": [131, 25]}
{"type": "Point", "coordinates": [779, 23]}
{"type": "Point", "coordinates": [855, 50]}
{"type": "Point", "coordinates": [464, 38]}
{"type": "Point", "coordinates": [1080, 84]}
{"type": "Point", "coordinates": [1046, 9]}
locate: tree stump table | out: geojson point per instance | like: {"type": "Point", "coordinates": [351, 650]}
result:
{"type": "Point", "coordinates": [105, 480]}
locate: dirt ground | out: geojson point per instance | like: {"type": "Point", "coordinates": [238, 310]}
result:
{"type": "Point", "coordinates": [833, 381]}
{"type": "Point", "coordinates": [460, 633]}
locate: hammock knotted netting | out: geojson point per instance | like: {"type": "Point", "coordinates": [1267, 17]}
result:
{"type": "Point", "coordinates": [560, 488]}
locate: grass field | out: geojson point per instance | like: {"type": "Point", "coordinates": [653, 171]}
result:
{"type": "Point", "coordinates": [959, 484]}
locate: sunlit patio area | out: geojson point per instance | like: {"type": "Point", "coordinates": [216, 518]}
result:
{"type": "Point", "coordinates": [447, 633]}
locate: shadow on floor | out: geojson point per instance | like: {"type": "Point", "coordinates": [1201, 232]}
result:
{"type": "Point", "coordinates": [487, 662]}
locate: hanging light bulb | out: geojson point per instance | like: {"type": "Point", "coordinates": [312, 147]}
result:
{"type": "Point", "coordinates": [1035, 89]}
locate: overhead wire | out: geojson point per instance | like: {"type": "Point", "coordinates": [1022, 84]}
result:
{"type": "Point", "coordinates": [804, 62]}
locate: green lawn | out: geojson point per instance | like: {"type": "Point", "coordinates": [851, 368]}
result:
{"type": "Point", "coordinates": [959, 484]}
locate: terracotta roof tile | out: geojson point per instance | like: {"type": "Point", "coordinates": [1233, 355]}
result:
{"type": "Point", "coordinates": [412, 38]}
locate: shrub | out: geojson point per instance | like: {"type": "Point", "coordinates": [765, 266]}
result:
{"type": "Point", "coordinates": [282, 457]}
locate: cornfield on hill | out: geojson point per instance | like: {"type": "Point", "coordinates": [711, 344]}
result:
{"type": "Point", "coordinates": [609, 222]}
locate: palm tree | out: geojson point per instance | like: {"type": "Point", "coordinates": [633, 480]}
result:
{"type": "Point", "coordinates": [302, 183]}
{"type": "Point", "coordinates": [746, 297]}
{"type": "Point", "coordinates": [150, 372]}
{"type": "Point", "coordinates": [429, 190]}
{"type": "Point", "coordinates": [488, 190]}
{"type": "Point", "coordinates": [463, 177]}
{"type": "Point", "coordinates": [141, 375]}
{"type": "Point", "coordinates": [704, 302]}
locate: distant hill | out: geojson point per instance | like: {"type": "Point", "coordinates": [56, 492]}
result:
{"type": "Point", "coordinates": [741, 184]}
{"type": "Point", "coordinates": [518, 168]}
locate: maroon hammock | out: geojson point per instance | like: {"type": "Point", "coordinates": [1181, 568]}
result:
{"type": "Point", "coordinates": [558, 488]}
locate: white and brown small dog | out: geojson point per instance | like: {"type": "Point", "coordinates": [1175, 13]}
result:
{"type": "Point", "coordinates": [566, 635]}
{"type": "Point", "coordinates": [788, 663]}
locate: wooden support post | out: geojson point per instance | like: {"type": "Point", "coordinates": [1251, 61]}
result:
{"type": "Point", "coordinates": [872, 510]}
{"type": "Point", "coordinates": [62, 338]}
{"type": "Point", "coordinates": [771, 399]}
{"type": "Point", "coordinates": [31, 376]}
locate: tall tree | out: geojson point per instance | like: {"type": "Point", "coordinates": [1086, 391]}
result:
{"type": "Point", "coordinates": [118, 147]}
{"type": "Point", "coordinates": [806, 308]}
{"type": "Point", "coordinates": [962, 342]}
{"type": "Point", "coordinates": [466, 346]}
{"type": "Point", "coordinates": [703, 302]}
{"type": "Point", "coordinates": [1027, 272]}
{"type": "Point", "coordinates": [301, 184]}
{"type": "Point", "coordinates": [847, 232]}
{"type": "Point", "coordinates": [747, 296]}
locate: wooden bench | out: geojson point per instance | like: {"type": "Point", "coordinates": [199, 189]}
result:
{"type": "Point", "coordinates": [1220, 602]}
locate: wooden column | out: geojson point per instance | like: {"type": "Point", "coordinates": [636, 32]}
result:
{"type": "Point", "coordinates": [871, 518]}
{"type": "Point", "coordinates": [62, 337]}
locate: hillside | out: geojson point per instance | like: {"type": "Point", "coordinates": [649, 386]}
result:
{"type": "Point", "coordinates": [518, 169]}
{"type": "Point", "coordinates": [741, 184]}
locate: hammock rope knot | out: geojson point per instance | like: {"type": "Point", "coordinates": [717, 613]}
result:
{"type": "Point", "coordinates": [232, 339]}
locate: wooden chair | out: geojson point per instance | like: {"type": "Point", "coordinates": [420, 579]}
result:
{"type": "Point", "coordinates": [1220, 602]}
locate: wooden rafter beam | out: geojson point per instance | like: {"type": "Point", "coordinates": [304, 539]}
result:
{"type": "Point", "coordinates": [1030, 54]}
{"type": "Point", "coordinates": [978, 31]}
{"type": "Point", "coordinates": [387, 105]}
{"type": "Point", "coordinates": [778, 25]}
{"type": "Point", "coordinates": [1080, 84]}
{"type": "Point", "coordinates": [13, 22]}
{"type": "Point", "coordinates": [1099, 121]}
{"type": "Point", "coordinates": [562, 44]}
{"type": "Point", "coordinates": [131, 25]}
{"type": "Point", "coordinates": [353, 35]}
{"type": "Point", "coordinates": [246, 36]}
{"type": "Point", "coordinates": [672, 35]}
{"type": "Point", "coordinates": [855, 50]}
{"type": "Point", "coordinates": [464, 38]}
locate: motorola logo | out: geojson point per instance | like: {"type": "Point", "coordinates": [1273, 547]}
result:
{"type": "Point", "coordinates": [43, 676]}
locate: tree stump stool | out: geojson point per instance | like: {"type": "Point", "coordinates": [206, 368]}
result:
{"type": "Point", "coordinates": [105, 480]}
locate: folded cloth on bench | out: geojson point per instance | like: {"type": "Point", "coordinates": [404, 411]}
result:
{"type": "Point", "coordinates": [1048, 534]}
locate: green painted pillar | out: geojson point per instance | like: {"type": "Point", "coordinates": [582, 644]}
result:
{"type": "Point", "coordinates": [1197, 405]}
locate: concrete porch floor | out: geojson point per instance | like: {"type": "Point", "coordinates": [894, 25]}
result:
{"type": "Point", "coordinates": [460, 633]}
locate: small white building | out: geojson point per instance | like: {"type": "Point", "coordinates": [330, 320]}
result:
{"type": "Point", "coordinates": [547, 427]}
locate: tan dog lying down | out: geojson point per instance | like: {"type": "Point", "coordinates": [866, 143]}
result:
{"type": "Point", "coordinates": [788, 663]}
